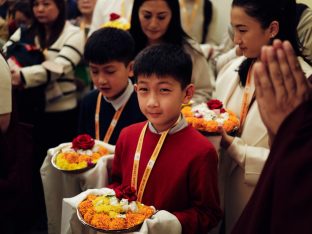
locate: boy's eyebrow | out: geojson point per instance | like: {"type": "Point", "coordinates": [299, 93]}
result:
{"type": "Point", "coordinates": [161, 82]}
{"type": "Point", "coordinates": [100, 65]}
{"type": "Point", "coordinates": [164, 82]}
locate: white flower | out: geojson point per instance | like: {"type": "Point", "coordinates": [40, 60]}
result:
{"type": "Point", "coordinates": [133, 206]}
{"type": "Point", "coordinates": [113, 201]}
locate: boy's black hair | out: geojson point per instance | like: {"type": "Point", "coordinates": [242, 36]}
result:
{"type": "Point", "coordinates": [164, 60]}
{"type": "Point", "coordinates": [109, 44]}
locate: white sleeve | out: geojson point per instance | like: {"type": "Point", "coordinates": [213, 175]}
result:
{"type": "Point", "coordinates": [250, 158]}
{"type": "Point", "coordinates": [14, 38]}
{"type": "Point", "coordinates": [67, 58]}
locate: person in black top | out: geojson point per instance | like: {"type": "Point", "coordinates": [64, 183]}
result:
{"type": "Point", "coordinates": [113, 105]}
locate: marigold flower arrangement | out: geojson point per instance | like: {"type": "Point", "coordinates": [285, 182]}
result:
{"type": "Point", "coordinates": [209, 116]}
{"type": "Point", "coordinates": [83, 153]}
{"type": "Point", "coordinates": [117, 209]}
{"type": "Point", "coordinates": [116, 21]}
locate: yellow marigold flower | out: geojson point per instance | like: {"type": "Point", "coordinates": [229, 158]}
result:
{"type": "Point", "coordinates": [117, 24]}
{"type": "Point", "coordinates": [75, 160]}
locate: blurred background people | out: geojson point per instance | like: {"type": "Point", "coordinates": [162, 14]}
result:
{"type": "Point", "coordinates": [4, 31]}
{"type": "Point", "coordinates": [62, 45]}
{"type": "Point", "coordinates": [85, 13]}
{"type": "Point", "coordinates": [159, 21]}
{"type": "Point", "coordinates": [71, 9]}
{"type": "Point", "coordinates": [104, 8]}
{"type": "Point", "coordinates": [21, 16]}
{"type": "Point", "coordinates": [15, 162]}
{"type": "Point", "coordinates": [83, 20]}
{"type": "Point", "coordinates": [196, 16]}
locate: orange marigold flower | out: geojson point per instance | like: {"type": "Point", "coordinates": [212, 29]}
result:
{"type": "Point", "coordinates": [134, 219]}
{"type": "Point", "coordinates": [117, 223]}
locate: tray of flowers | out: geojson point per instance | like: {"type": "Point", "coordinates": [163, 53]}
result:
{"type": "Point", "coordinates": [207, 117]}
{"type": "Point", "coordinates": [114, 211]}
{"type": "Point", "coordinates": [116, 21]}
{"type": "Point", "coordinates": [82, 154]}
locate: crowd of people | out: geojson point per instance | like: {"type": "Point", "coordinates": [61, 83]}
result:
{"type": "Point", "coordinates": [63, 73]}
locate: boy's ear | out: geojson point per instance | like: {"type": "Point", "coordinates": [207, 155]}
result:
{"type": "Point", "coordinates": [135, 87]}
{"type": "Point", "coordinates": [130, 69]}
{"type": "Point", "coordinates": [189, 92]}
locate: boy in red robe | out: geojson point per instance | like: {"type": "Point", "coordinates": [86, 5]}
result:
{"type": "Point", "coordinates": [171, 165]}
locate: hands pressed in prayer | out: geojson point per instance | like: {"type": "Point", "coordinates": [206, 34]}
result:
{"type": "Point", "coordinates": [280, 84]}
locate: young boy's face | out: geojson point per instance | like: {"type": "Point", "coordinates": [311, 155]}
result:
{"type": "Point", "coordinates": [111, 78]}
{"type": "Point", "coordinates": [160, 99]}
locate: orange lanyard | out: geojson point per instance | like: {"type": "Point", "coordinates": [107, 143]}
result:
{"type": "Point", "coordinates": [112, 124]}
{"type": "Point", "coordinates": [150, 164]}
{"type": "Point", "coordinates": [247, 97]}
{"type": "Point", "coordinates": [189, 18]}
{"type": "Point", "coordinates": [83, 28]}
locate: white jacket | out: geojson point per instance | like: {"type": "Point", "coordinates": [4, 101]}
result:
{"type": "Point", "coordinates": [64, 54]}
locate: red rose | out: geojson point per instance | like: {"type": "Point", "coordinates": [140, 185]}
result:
{"type": "Point", "coordinates": [126, 192]}
{"type": "Point", "coordinates": [129, 193]}
{"type": "Point", "coordinates": [83, 141]}
{"type": "Point", "coordinates": [214, 104]}
{"type": "Point", "coordinates": [114, 16]}
{"type": "Point", "coordinates": [222, 110]}
{"type": "Point", "coordinates": [118, 193]}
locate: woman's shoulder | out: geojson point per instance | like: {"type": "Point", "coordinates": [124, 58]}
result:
{"type": "Point", "coordinates": [231, 66]}
{"type": "Point", "coordinates": [193, 48]}
{"type": "Point", "coordinates": [71, 34]}
{"type": "Point", "coordinates": [228, 74]}
{"type": "Point", "coordinates": [70, 28]}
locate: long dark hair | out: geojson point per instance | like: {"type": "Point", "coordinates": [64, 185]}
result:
{"type": "Point", "coordinates": [266, 11]}
{"type": "Point", "coordinates": [174, 34]}
{"type": "Point", "coordinates": [56, 29]}
{"type": "Point", "coordinates": [207, 11]}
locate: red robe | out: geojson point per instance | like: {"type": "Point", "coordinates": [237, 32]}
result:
{"type": "Point", "coordinates": [183, 180]}
{"type": "Point", "coordinates": [282, 199]}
